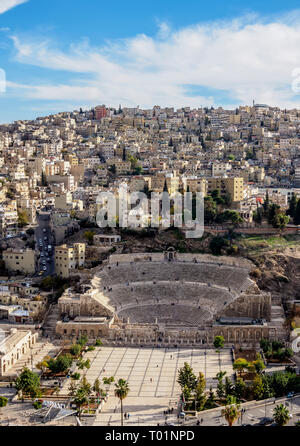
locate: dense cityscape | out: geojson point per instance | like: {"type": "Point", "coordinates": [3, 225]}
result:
{"type": "Point", "coordinates": [149, 220]}
{"type": "Point", "coordinates": [90, 314]}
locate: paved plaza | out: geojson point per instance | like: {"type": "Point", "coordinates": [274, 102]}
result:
{"type": "Point", "coordinates": [152, 376]}
{"type": "Point", "coordinates": [32, 357]}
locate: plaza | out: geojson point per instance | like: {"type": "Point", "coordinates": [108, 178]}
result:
{"type": "Point", "coordinates": [152, 376]}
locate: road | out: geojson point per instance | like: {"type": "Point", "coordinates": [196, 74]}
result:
{"type": "Point", "coordinates": [44, 238]}
{"type": "Point", "coordinates": [254, 414]}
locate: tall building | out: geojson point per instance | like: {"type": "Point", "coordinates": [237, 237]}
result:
{"type": "Point", "coordinates": [67, 258]}
{"type": "Point", "coordinates": [100, 112]}
{"type": "Point", "coordinates": [232, 186]}
{"type": "Point", "coordinates": [23, 260]}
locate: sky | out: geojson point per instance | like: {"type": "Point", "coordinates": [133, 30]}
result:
{"type": "Point", "coordinates": [59, 55]}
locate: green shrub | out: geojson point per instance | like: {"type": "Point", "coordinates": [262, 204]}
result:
{"type": "Point", "coordinates": [76, 376]}
{"type": "Point", "coordinates": [76, 349]}
{"type": "Point", "coordinates": [37, 404]}
{"type": "Point", "coordinates": [61, 364]}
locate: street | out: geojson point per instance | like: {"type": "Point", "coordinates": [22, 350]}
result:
{"type": "Point", "coordinates": [43, 237]}
{"type": "Point", "coordinates": [252, 414]}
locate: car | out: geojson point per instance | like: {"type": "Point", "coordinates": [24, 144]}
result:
{"type": "Point", "coordinates": [48, 259]}
{"type": "Point", "coordinates": [45, 268]}
{"type": "Point", "coordinates": [42, 254]}
{"type": "Point", "coordinates": [290, 394]}
{"type": "Point", "coordinates": [44, 262]}
{"type": "Point", "coordinates": [265, 421]}
{"type": "Point", "coordinates": [45, 238]}
{"type": "Point", "coordinates": [44, 230]}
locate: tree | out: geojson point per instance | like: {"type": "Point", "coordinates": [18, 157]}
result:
{"type": "Point", "coordinates": [258, 388]}
{"type": "Point", "coordinates": [273, 211]}
{"type": "Point", "coordinates": [231, 412]}
{"type": "Point", "coordinates": [229, 389]}
{"type": "Point", "coordinates": [72, 388]}
{"type": "Point", "coordinates": [108, 381]}
{"type": "Point", "coordinates": [86, 386]}
{"type": "Point", "coordinates": [219, 342]}
{"type": "Point", "coordinates": [200, 398]}
{"type": "Point", "coordinates": [259, 364]}
{"type": "Point", "coordinates": [28, 382]}
{"type": "Point", "coordinates": [257, 216]}
{"type": "Point", "coordinates": [80, 399]}
{"type": "Point", "coordinates": [186, 377]}
{"type": "Point", "coordinates": [297, 214]}
{"type": "Point", "coordinates": [280, 221]}
{"type": "Point", "coordinates": [210, 210]}
{"type": "Point", "coordinates": [89, 236]}
{"type": "Point", "coordinates": [22, 219]}
{"type": "Point", "coordinates": [265, 345]}
{"type": "Point", "coordinates": [217, 243]}
{"type": "Point", "coordinates": [121, 392]}
{"type": "Point", "coordinates": [279, 382]}
{"type": "Point", "coordinates": [240, 389]}
{"type": "Point", "coordinates": [3, 402]}
{"type": "Point", "coordinates": [44, 179]}
{"type": "Point", "coordinates": [292, 206]}
{"type": "Point", "coordinates": [210, 403]}
{"type": "Point", "coordinates": [220, 387]}
{"type": "Point", "coordinates": [281, 415]}
{"type": "Point", "coordinates": [61, 364]}
{"type": "Point", "coordinates": [97, 388]}
{"type": "Point", "coordinates": [83, 364]}
{"type": "Point", "coordinates": [75, 350]}
{"type": "Point", "coordinates": [43, 365]}
{"type": "Point", "coordinates": [83, 340]}
{"type": "Point", "coordinates": [240, 365]}
{"type": "Point", "coordinates": [266, 204]}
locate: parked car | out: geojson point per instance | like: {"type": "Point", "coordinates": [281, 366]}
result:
{"type": "Point", "coordinates": [265, 421]}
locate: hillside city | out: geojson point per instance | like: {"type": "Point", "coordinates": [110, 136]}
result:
{"type": "Point", "coordinates": [142, 325]}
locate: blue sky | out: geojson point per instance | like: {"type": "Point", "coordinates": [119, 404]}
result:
{"type": "Point", "coordinates": [64, 54]}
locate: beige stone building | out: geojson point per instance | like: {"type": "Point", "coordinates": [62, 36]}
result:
{"type": "Point", "coordinates": [122, 167]}
{"type": "Point", "coordinates": [23, 260]}
{"type": "Point", "coordinates": [68, 258]}
{"type": "Point", "coordinates": [13, 346]}
{"type": "Point", "coordinates": [232, 186]}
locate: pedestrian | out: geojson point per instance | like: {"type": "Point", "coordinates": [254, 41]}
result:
{"type": "Point", "coordinates": [128, 415]}
{"type": "Point", "coordinates": [125, 415]}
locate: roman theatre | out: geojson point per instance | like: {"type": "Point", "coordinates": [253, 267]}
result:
{"type": "Point", "coordinates": [169, 298]}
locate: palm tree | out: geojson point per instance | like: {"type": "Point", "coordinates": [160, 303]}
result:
{"type": "Point", "coordinates": [121, 392]}
{"type": "Point", "coordinates": [231, 412]}
{"type": "Point", "coordinates": [281, 415]}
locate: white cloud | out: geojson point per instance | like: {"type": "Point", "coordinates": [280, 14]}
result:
{"type": "Point", "coordinates": [5, 5]}
{"type": "Point", "coordinates": [249, 58]}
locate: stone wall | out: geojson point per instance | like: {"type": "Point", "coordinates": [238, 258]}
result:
{"type": "Point", "coordinates": [256, 306]}
{"type": "Point", "coordinates": [160, 257]}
